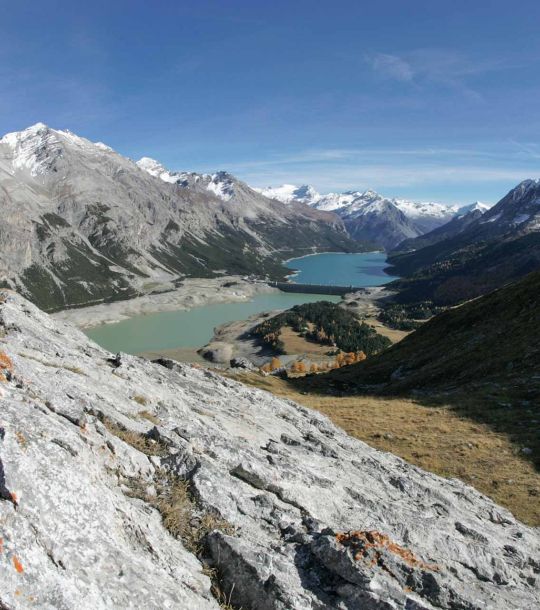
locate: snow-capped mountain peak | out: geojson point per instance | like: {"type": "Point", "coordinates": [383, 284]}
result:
{"type": "Point", "coordinates": [287, 193]}
{"type": "Point", "coordinates": [418, 209]}
{"type": "Point", "coordinates": [477, 206]}
{"type": "Point", "coordinates": [406, 218]}
{"type": "Point", "coordinates": [156, 169]}
{"type": "Point", "coordinates": [220, 184]}
{"type": "Point", "coordinates": [519, 208]}
{"type": "Point", "coordinates": [39, 148]}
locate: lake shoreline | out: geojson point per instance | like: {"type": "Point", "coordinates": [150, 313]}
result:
{"type": "Point", "coordinates": [234, 339]}
{"type": "Point", "coordinates": [178, 323]}
{"type": "Point", "coordinates": [195, 292]}
{"type": "Point", "coordinates": [297, 258]}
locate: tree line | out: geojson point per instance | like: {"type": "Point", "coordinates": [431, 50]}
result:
{"type": "Point", "coordinates": [323, 322]}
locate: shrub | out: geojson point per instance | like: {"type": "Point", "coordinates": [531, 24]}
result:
{"type": "Point", "coordinates": [150, 417]}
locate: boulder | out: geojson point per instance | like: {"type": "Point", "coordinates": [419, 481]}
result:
{"type": "Point", "coordinates": [242, 363]}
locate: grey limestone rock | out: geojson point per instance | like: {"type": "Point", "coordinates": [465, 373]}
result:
{"type": "Point", "coordinates": [317, 520]}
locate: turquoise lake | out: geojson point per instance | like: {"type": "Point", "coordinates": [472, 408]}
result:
{"type": "Point", "coordinates": [195, 327]}
{"type": "Point", "coordinates": [363, 269]}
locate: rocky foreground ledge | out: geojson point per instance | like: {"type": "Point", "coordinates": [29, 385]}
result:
{"type": "Point", "coordinates": [127, 484]}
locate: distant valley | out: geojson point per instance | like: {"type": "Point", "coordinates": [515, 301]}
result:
{"type": "Point", "coordinates": [475, 254]}
{"type": "Point", "coordinates": [84, 225]}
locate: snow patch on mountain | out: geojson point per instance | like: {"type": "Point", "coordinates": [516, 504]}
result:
{"type": "Point", "coordinates": [287, 193]}
{"type": "Point", "coordinates": [154, 168]}
{"type": "Point", "coordinates": [36, 148]}
{"type": "Point", "coordinates": [220, 184]}
{"type": "Point", "coordinates": [473, 207]}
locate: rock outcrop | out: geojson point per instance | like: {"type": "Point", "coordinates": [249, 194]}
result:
{"type": "Point", "coordinates": [131, 484]}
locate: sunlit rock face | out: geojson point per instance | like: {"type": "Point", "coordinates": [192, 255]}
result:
{"type": "Point", "coordinates": [295, 513]}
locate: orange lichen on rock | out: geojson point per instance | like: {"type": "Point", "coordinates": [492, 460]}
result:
{"type": "Point", "coordinates": [5, 365]}
{"type": "Point", "coordinates": [369, 545]}
{"type": "Point", "coordinates": [17, 564]}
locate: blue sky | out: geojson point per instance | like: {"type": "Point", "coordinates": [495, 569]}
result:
{"type": "Point", "coordinates": [426, 99]}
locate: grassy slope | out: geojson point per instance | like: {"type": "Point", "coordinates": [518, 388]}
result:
{"type": "Point", "coordinates": [482, 360]}
{"type": "Point", "coordinates": [439, 438]}
{"type": "Point", "coordinates": [452, 271]}
{"type": "Point", "coordinates": [492, 340]}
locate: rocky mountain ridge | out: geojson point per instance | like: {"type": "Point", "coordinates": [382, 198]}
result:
{"type": "Point", "coordinates": [452, 228]}
{"type": "Point", "coordinates": [83, 224]}
{"type": "Point", "coordinates": [475, 253]}
{"type": "Point", "coordinates": [368, 215]}
{"type": "Point", "coordinates": [295, 514]}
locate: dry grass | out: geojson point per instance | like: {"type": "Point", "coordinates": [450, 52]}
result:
{"type": "Point", "coordinates": [393, 334]}
{"type": "Point", "coordinates": [137, 440]}
{"type": "Point", "coordinates": [223, 599]}
{"type": "Point", "coordinates": [439, 439]}
{"type": "Point", "coordinates": [183, 518]}
{"type": "Point", "coordinates": [150, 417]}
{"type": "Point", "coordinates": [73, 369]}
{"type": "Point", "coordinates": [186, 520]}
{"type": "Point", "coordinates": [295, 344]}
{"type": "Point", "coordinates": [141, 400]}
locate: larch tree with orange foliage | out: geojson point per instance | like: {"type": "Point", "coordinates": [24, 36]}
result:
{"type": "Point", "coordinates": [275, 363]}
{"type": "Point", "coordinates": [301, 367]}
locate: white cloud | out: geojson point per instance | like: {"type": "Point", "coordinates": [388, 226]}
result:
{"type": "Point", "coordinates": [392, 170]}
{"type": "Point", "coordinates": [391, 66]}
{"type": "Point", "coordinates": [428, 67]}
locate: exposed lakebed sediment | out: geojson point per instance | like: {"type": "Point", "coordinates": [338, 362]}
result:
{"type": "Point", "coordinates": [193, 292]}
{"type": "Point", "coordinates": [177, 323]}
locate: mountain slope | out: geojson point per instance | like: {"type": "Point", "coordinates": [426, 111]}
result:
{"type": "Point", "coordinates": [369, 216]}
{"type": "Point", "coordinates": [452, 228]}
{"type": "Point", "coordinates": [83, 224]}
{"type": "Point", "coordinates": [493, 341]}
{"type": "Point", "coordinates": [106, 504]}
{"type": "Point", "coordinates": [501, 245]}
{"type": "Point", "coordinates": [377, 220]}
{"type": "Point", "coordinates": [289, 193]}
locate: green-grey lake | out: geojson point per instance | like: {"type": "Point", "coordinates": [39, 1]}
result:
{"type": "Point", "coordinates": [195, 327]}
